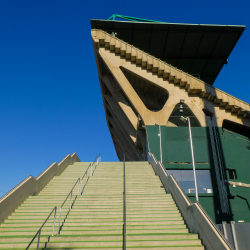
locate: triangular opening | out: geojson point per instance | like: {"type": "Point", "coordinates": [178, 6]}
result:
{"type": "Point", "coordinates": [182, 109]}
{"type": "Point", "coordinates": [153, 96]}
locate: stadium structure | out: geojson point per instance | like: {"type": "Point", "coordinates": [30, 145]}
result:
{"type": "Point", "coordinates": [182, 181]}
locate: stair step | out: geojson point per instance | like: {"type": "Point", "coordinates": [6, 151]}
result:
{"type": "Point", "coordinates": [96, 218]}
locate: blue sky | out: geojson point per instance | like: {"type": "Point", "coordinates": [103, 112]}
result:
{"type": "Point", "coordinates": [50, 98]}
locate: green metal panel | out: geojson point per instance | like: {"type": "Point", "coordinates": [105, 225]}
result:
{"type": "Point", "coordinates": [235, 155]}
{"type": "Point", "coordinates": [154, 141]}
{"type": "Point", "coordinates": [210, 204]}
{"type": "Point", "coordinates": [176, 145]}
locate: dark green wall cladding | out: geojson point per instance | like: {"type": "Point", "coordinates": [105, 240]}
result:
{"type": "Point", "coordinates": [176, 154]}
{"type": "Point", "coordinates": [176, 145]}
{"type": "Point", "coordinates": [236, 153]}
{"type": "Point", "coordinates": [209, 203]}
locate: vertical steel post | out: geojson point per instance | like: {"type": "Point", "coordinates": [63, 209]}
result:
{"type": "Point", "coordinates": [160, 141]}
{"type": "Point", "coordinates": [86, 176]}
{"type": "Point", "coordinates": [234, 235]}
{"type": "Point", "coordinates": [54, 223]}
{"type": "Point", "coordinates": [224, 223]}
{"type": "Point", "coordinates": [192, 153]}
{"type": "Point", "coordinates": [124, 205]}
{"type": "Point", "coordinates": [70, 200]}
{"type": "Point", "coordinates": [58, 229]}
{"type": "Point", "coordinates": [38, 240]}
{"type": "Point", "coordinates": [78, 186]}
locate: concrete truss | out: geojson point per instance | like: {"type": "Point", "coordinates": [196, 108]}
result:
{"type": "Point", "coordinates": [139, 89]}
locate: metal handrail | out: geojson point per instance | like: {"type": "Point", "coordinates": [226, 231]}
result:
{"type": "Point", "coordinates": [97, 159]}
{"type": "Point", "coordinates": [87, 178]}
{"type": "Point", "coordinates": [92, 168]}
{"type": "Point", "coordinates": [124, 205]}
{"type": "Point", "coordinates": [40, 229]}
{"type": "Point", "coordinates": [70, 194]}
{"type": "Point", "coordinates": [189, 201]}
{"type": "Point", "coordinates": [80, 190]}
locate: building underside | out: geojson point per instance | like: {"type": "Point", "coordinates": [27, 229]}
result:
{"type": "Point", "coordinates": [145, 95]}
{"type": "Point", "coordinates": [139, 89]}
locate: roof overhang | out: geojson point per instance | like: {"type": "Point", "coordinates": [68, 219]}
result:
{"type": "Point", "coordinates": [198, 49]}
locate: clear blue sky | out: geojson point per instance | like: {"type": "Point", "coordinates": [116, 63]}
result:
{"type": "Point", "coordinates": [50, 98]}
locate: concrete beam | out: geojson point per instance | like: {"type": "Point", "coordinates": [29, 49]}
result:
{"type": "Point", "coordinates": [120, 146]}
{"type": "Point", "coordinates": [180, 85]}
{"type": "Point", "coordinates": [115, 90]}
{"type": "Point", "coordinates": [130, 140]}
{"type": "Point", "coordinates": [126, 146]}
{"type": "Point", "coordinates": [124, 120]}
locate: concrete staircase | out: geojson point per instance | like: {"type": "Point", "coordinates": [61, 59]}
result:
{"type": "Point", "coordinates": [96, 219]}
{"type": "Point", "coordinates": [18, 230]}
{"type": "Point", "coordinates": [153, 220]}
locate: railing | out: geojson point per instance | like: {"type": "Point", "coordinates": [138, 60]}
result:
{"type": "Point", "coordinates": [70, 194]}
{"type": "Point", "coordinates": [92, 168]}
{"type": "Point", "coordinates": [87, 177]}
{"type": "Point", "coordinates": [194, 215]}
{"type": "Point", "coordinates": [40, 229]}
{"type": "Point", "coordinates": [96, 162]}
{"type": "Point", "coordinates": [124, 205]}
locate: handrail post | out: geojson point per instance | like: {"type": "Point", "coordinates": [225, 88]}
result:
{"type": "Point", "coordinates": [193, 162]}
{"type": "Point", "coordinates": [78, 186]}
{"type": "Point", "coordinates": [86, 176]}
{"type": "Point", "coordinates": [58, 229]}
{"type": "Point", "coordinates": [38, 240]}
{"type": "Point", "coordinates": [70, 200]}
{"type": "Point", "coordinates": [54, 222]}
{"type": "Point", "coordinates": [91, 170]}
{"type": "Point", "coordinates": [124, 205]}
{"type": "Point", "coordinates": [40, 230]}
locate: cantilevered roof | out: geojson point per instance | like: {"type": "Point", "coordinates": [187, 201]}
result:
{"type": "Point", "coordinates": [198, 49]}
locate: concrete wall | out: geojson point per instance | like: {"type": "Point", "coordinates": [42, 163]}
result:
{"type": "Point", "coordinates": [194, 215]}
{"type": "Point", "coordinates": [32, 186]}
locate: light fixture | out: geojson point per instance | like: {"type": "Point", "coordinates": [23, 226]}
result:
{"type": "Point", "coordinates": [183, 119]}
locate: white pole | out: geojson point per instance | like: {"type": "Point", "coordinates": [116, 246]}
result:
{"type": "Point", "coordinates": [192, 153]}
{"type": "Point", "coordinates": [160, 141]}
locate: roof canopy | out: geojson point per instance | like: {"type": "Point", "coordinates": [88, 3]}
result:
{"type": "Point", "coordinates": [198, 49]}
